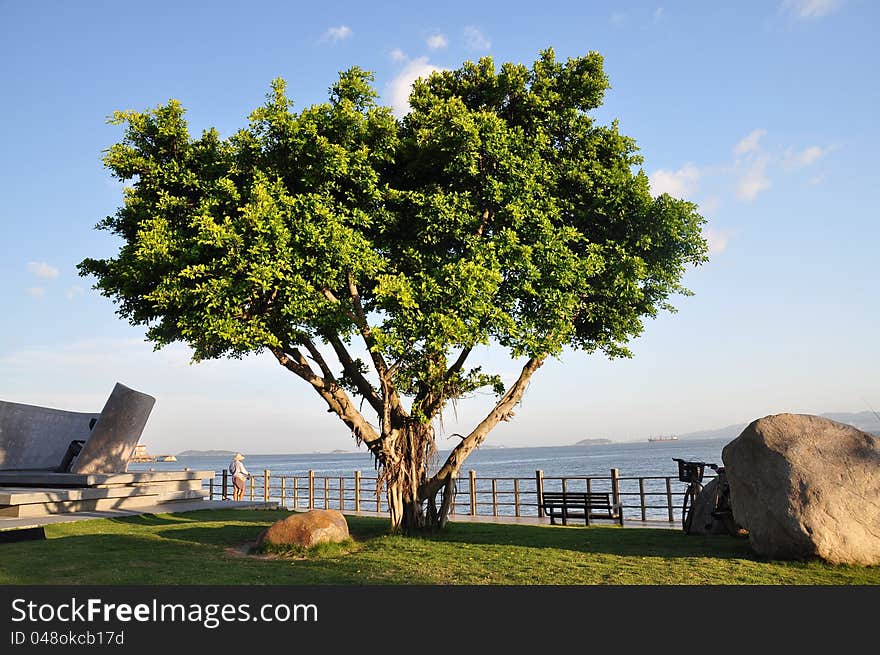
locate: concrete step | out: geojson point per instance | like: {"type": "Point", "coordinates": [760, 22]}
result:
{"type": "Point", "coordinates": [55, 480]}
{"type": "Point", "coordinates": [29, 495]}
{"type": "Point", "coordinates": [97, 504]}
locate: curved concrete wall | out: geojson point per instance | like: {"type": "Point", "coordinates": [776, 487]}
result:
{"type": "Point", "coordinates": [114, 437]}
{"type": "Point", "coordinates": [33, 437]}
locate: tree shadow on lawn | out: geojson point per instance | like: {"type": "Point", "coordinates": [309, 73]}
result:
{"type": "Point", "coordinates": [225, 529]}
{"type": "Point", "coordinates": [629, 542]}
{"type": "Point", "coordinates": [203, 515]}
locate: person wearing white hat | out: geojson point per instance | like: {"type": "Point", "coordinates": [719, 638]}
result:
{"type": "Point", "coordinates": [239, 475]}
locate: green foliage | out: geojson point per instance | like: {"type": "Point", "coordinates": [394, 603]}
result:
{"type": "Point", "coordinates": [497, 211]}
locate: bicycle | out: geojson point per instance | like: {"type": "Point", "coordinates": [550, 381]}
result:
{"type": "Point", "coordinates": [692, 473]}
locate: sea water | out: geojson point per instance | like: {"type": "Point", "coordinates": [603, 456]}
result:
{"type": "Point", "coordinates": [632, 459]}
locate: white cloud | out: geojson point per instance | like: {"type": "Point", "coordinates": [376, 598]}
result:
{"type": "Point", "coordinates": [710, 205]}
{"type": "Point", "coordinates": [812, 8]}
{"type": "Point", "coordinates": [617, 19]}
{"type": "Point", "coordinates": [753, 181]}
{"type": "Point", "coordinates": [805, 157]}
{"type": "Point", "coordinates": [42, 270]}
{"type": "Point", "coordinates": [74, 292]}
{"type": "Point", "coordinates": [817, 179]}
{"type": "Point", "coordinates": [437, 41]}
{"type": "Point", "coordinates": [474, 39]}
{"type": "Point", "coordinates": [658, 13]}
{"type": "Point", "coordinates": [679, 184]}
{"type": "Point", "coordinates": [749, 143]}
{"type": "Point", "coordinates": [398, 55]}
{"type": "Point", "coordinates": [717, 240]}
{"type": "Point", "coordinates": [399, 88]}
{"type": "Point", "coordinates": [335, 34]}
{"type": "Point", "coordinates": [36, 292]}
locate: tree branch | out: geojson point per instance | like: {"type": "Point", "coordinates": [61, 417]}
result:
{"type": "Point", "coordinates": [429, 401]}
{"type": "Point", "coordinates": [363, 385]}
{"type": "Point", "coordinates": [319, 359]}
{"type": "Point", "coordinates": [335, 397]}
{"type": "Point", "coordinates": [366, 332]}
{"type": "Point", "coordinates": [501, 411]}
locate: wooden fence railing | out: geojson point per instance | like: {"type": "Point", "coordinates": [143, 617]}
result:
{"type": "Point", "coordinates": [642, 497]}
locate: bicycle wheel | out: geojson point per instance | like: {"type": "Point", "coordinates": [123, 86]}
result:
{"type": "Point", "coordinates": [687, 507]}
{"type": "Point", "coordinates": [721, 503]}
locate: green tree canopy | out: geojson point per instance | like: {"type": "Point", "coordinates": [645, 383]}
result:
{"type": "Point", "coordinates": [496, 211]}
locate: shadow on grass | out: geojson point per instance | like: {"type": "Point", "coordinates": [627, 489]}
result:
{"type": "Point", "coordinates": [229, 534]}
{"type": "Point", "coordinates": [610, 540]}
{"type": "Point", "coordinates": [202, 515]}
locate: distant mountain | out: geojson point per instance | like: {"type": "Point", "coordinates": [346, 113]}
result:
{"type": "Point", "coordinates": [593, 442]}
{"type": "Point", "coordinates": [865, 421]}
{"type": "Point", "coordinates": [204, 453]}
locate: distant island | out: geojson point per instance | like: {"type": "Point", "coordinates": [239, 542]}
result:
{"type": "Point", "coordinates": [203, 453]}
{"type": "Point", "coordinates": [593, 442]}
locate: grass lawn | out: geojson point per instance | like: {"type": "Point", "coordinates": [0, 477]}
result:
{"type": "Point", "coordinates": [197, 548]}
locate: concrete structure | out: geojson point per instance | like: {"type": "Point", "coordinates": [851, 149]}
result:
{"type": "Point", "coordinates": [33, 437]}
{"type": "Point", "coordinates": [60, 462]}
{"type": "Point", "coordinates": [113, 439]}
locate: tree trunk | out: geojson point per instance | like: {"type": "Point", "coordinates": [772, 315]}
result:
{"type": "Point", "coordinates": [404, 465]}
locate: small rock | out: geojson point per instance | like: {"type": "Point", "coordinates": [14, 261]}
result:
{"type": "Point", "coordinates": [306, 529]}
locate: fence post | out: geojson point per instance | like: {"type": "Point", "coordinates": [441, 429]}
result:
{"type": "Point", "coordinates": [266, 485]}
{"type": "Point", "coordinates": [378, 495]}
{"type": "Point", "coordinates": [615, 487]}
{"type": "Point", "coordinates": [211, 488]}
{"type": "Point", "coordinates": [454, 488]}
{"type": "Point", "coordinates": [311, 489]}
{"type": "Point", "coordinates": [283, 492]}
{"type": "Point", "coordinates": [326, 492]}
{"type": "Point", "coordinates": [539, 491]}
{"type": "Point", "coordinates": [341, 494]}
{"type": "Point", "coordinates": [225, 495]}
{"type": "Point", "coordinates": [472, 475]}
{"type": "Point", "coordinates": [516, 496]}
{"type": "Point", "coordinates": [494, 497]}
{"type": "Point", "coordinates": [295, 492]}
{"type": "Point", "coordinates": [357, 491]}
{"type": "Point", "coordinates": [669, 499]}
{"type": "Point", "coordinates": [642, 496]}
{"type": "Point", "coordinates": [252, 487]}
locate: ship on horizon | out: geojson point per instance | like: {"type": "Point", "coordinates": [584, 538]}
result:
{"type": "Point", "coordinates": [670, 438]}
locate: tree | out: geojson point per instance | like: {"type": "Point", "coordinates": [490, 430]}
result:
{"type": "Point", "coordinates": [495, 212]}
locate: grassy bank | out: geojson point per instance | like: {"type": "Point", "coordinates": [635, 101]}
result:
{"type": "Point", "coordinates": [206, 547]}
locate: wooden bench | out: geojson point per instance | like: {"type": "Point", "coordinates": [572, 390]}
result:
{"type": "Point", "coordinates": [579, 505]}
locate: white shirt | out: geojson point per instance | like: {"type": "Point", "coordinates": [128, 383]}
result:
{"type": "Point", "coordinates": [238, 469]}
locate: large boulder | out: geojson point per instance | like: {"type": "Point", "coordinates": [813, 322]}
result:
{"type": "Point", "coordinates": [306, 529]}
{"type": "Point", "coordinates": [805, 486]}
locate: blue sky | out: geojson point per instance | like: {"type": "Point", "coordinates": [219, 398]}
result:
{"type": "Point", "coordinates": [763, 112]}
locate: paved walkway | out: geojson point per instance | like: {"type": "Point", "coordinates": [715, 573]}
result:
{"type": "Point", "coordinates": [14, 523]}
